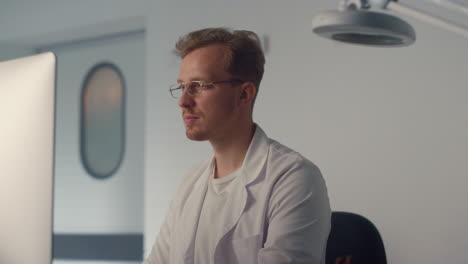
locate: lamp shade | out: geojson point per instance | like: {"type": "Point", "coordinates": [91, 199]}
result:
{"type": "Point", "coordinates": [364, 28]}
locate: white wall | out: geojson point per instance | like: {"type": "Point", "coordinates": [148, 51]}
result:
{"type": "Point", "coordinates": [388, 127]}
{"type": "Point", "coordinates": [9, 51]}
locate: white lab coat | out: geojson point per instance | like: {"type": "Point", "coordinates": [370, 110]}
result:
{"type": "Point", "coordinates": [280, 213]}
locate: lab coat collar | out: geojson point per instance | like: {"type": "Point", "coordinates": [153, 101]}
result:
{"type": "Point", "coordinates": [256, 156]}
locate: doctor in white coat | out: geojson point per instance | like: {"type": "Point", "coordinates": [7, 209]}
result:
{"type": "Point", "coordinates": [254, 200]}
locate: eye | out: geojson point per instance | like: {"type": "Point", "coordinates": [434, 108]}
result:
{"type": "Point", "coordinates": [193, 86]}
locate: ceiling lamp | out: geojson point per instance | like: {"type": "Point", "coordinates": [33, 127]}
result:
{"type": "Point", "coordinates": [354, 23]}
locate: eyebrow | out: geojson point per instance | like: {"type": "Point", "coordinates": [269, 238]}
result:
{"type": "Point", "coordinates": [193, 79]}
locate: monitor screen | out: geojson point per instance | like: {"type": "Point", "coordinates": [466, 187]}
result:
{"type": "Point", "coordinates": [27, 102]}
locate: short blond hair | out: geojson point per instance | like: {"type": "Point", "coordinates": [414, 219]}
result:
{"type": "Point", "coordinates": [245, 59]}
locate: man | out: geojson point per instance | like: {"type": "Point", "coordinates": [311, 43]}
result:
{"type": "Point", "coordinates": [255, 200]}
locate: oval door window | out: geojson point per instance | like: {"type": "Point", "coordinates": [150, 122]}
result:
{"type": "Point", "coordinates": [102, 120]}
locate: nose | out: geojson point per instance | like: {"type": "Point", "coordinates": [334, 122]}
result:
{"type": "Point", "coordinates": [185, 100]}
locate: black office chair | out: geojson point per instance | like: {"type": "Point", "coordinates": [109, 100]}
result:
{"type": "Point", "coordinates": [354, 239]}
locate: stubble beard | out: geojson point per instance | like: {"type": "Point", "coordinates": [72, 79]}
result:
{"type": "Point", "coordinates": [193, 133]}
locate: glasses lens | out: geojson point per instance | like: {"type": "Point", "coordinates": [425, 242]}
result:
{"type": "Point", "coordinates": [192, 87]}
{"type": "Point", "coordinates": [176, 90]}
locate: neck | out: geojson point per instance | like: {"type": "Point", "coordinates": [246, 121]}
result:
{"type": "Point", "coordinates": [230, 151]}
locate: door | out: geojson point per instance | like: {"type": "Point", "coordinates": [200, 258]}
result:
{"type": "Point", "coordinates": [98, 198]}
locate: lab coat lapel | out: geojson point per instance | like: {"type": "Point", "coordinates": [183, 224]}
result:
{"type": "Point", "coordinates": [191, 214]}
{"type": "Point", "coordinates": [251, 168]}
{"type": "Point", "coordinates": [236, 204]}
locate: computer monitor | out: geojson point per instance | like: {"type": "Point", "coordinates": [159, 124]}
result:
{"type": "Point", "coordinates": [27, 102]}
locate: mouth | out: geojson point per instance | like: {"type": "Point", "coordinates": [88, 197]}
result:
{"type": "Point", "coordinates": [190, 119]}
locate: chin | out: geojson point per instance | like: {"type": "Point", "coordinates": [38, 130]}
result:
{"type": "Point", "coordinates": [196, 135]}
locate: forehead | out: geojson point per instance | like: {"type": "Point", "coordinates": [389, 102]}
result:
{"type": "Point", "coordinates": [206, 64]}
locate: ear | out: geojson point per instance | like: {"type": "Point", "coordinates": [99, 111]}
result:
{"type": "Point", "coordinates": [247, 93]}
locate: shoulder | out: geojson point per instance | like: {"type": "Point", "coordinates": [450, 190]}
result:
{"type": "Point", "coordinates": [295, 180]}
{"type": "Point", "coordinates": [193, 175]}
{"type": "Point", "coordinates": [197, 170]}
{"type": "Point", "coordinates": [288, 170]}
{"type": "Point", "coordinates": [286, 159]}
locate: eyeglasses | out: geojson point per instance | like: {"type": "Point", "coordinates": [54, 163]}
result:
{"type": "Point", "coordinates": [194, 87]}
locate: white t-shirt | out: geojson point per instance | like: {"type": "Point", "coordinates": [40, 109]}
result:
{"type": "Point", "coordinates": [213, 207]}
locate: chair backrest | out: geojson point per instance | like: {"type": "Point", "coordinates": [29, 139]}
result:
{"type": "Point", "coordinates": [354, 239]}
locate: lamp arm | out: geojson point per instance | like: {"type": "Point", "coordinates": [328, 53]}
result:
{"type": "Point", "coordinates": [451, 6]}
{"type": "Point", "coordinates": [354, 4]}
{"type": "Point", "coordinates": [430, 19]}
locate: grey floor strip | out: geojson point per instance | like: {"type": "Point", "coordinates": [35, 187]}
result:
{"type": "Point", "coordinates": [125, 247]}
